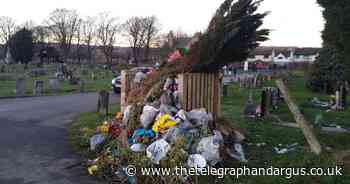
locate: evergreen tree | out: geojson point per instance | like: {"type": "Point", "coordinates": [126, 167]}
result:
{"type": "Point", "coordinates": [333, 64]}
{"type": "Point", "coordinates": [22, 46]}
{"type": "Point", "coordinates": [232, 34]}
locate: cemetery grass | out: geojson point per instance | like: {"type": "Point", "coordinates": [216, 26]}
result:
{"type": "Point", "coordinates": [260, 131]}
{"type": "Point", "coordinates": [8, 83]}
{"type": "Point", "coordinates": [84, 127]}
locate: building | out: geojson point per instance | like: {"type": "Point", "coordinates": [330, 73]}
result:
{"type": "Point", "coordinates": [284, 55]}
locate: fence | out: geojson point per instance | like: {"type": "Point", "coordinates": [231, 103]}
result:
{"type": "Point", "coordinates": [200, 90]}
{"type": "Point", "coordinates": [196, 90]}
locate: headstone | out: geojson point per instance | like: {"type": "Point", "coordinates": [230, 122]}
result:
{"type": "Point", "coordinates": [103, 101]}
{"type": "Point", "coordinates": [344, 94]}
{"type": "Point", "coordinates": [265, 102]}
{"type": "Point", "coordinates": [38, 88]}
{"type": "Point", "coordinates": [246, 66]}
{"type": "Point", "coordinates": [249, 109]}
{"type": "Point", "coordinates": [8, 59]}
{"type": "Point", "coordinates": [54, 85]}
{"type": "Point", "coordinates": [225, 90]}
{"type": "Point", "coordinates": [2, 69]}
{"type": "Point", "coordinates": [82, 86]}
{"type": "Point", "coordinates": [20, 87]}
{"type": "Point", "coordinates": [93, 76]}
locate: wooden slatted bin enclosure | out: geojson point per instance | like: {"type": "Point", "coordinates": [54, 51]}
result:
{"type": "Point", "coordinates": [195, 90]}
{"type": "Point", "coordinates": [200, 90]}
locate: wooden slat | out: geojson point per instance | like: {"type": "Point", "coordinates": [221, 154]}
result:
{"type": "Point", "coordinates": [189, 97]}
{"type": "Point", "coordinates": [210, 92]}
{"type": "Point", "coordinates": [198, 90]}
{"type": "Point", "coordinates": [194, 87]}
{"type": "Point", "coordinates": [202, 90]}
{"type": "Point", "coordinates": [215, 91]}
{"type": "Point", "coordinates": [218, 104]}
{"type": "Point", "coordinates": [205, 90]}
{"type": "Point", "coordinates": [300, 119]}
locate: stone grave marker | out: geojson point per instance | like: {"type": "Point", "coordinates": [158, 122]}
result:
{"type": "Point", "coordinates": [54, 85]}
{"type": "Point", "coordinates": [82, 86]}
{"type": "Point", "coordinates": [20, 87]}
{"type": "Point", "coordinates": [38, 88]}
{"type": "Point", "coordinates": [103, 101]}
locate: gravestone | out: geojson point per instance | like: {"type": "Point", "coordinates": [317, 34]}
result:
{"type": "Point", "coordinates": [249, 109]}
{"type": "Point", "coordinates": [38, 88]}
{"type": "Point", "coordinates": [93, 76]}
{"type": "Point", "coordinates": [54, 85]}
{"type": "Point", "coordinates": [103, 101]}
{"type": "Point", "coordinates": [2, 69]}
{"type": "Point", "coordinates": [20, 87]}
{"type": "Point", "coordinates": [344, 94]}
{"type": "Point", "coordinates": [82, 86]}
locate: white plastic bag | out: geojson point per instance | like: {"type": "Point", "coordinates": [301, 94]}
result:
{"type": "Point", "coordinates": [199, 117]}
{"type": "Point", "coordinates": [238, 153]}
{"type": "Point", "coordinates": [138, 147]}
{"type": "Point", "coordinates": [96, 140]}
{"type": "Point", "coordinates": [209, 148]}
{"type": "Point", "coordinates": [182, 121]}
{"type": "Point", "coordinates": [157, 150]}
{"type": "Point", "coordinates": [148, 115]}
{"type": "Point", "coordinates": [172, 134]}
{"type": "Point", "coordinates": [126, 115]}
{"type": "Point", "coordinates": [196, 161]}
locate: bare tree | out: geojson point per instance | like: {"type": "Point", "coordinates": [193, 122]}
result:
{"type": "Point", "coordinates": [78, 41]}
{"type": "Point", "coordinates": [63, 24]}
{"type": "Point", "coordinates": [7, 29]}
{"type": "Point", "coordinates": [107, 30]}
{"type": "Point", "coordinates": [88, 35]}
{"type": "Point", "coordinates": [152, 28]}
{"type": "Point", "coordinates": [41, 35]}
{"type": "Point", "coordinates": [134, 30]}
{"type": "Point", "coordinates": [142, 33]}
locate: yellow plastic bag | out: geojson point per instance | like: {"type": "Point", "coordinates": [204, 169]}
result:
{"type": "Point", "coordinates": [163, 123]}
{"type": "Point", "coordinates": [103, 128]}
{"type": "Point", "coordinates": [93, 169]}
{"type": "Point", "coordinates": [119, 116]}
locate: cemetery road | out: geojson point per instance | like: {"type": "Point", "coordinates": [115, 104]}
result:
{"type": "Point", "coordinates": [34, 142]}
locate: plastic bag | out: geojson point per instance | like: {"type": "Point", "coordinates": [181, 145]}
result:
{"type": "Point", "coordinates": [167, 99]}
{"type": "Point", "coordinates": [164, 122]}
{"type": "Point", "coordinates": [138, 147]}
{"type": "Point", "coordinates": [139, 77]}
{"type": "Point", "coordinates": [126, 115]}
{"type": "Point", "coordinates": [148, 115]}
{"type": "Point", "coordinates": [238, 153]}
{"type": "Point", "coordinates": [157, 150]}
{"type": "Point", "coordinates": [172, 134]}
{"type": "Point", "coordinates": [198, 117]}
{"type": "Point", "coordinates": [209, 147]}
{"type": "Point", "coordinates": [167, 109]}
{"type": "Point", "coordinates": [182, 121]}
{"type": "Point", "coordinates": [96, 140]}
{"type": "Point", "coordinates": [169, 84]}
{"type": "Point", "coordinates": [196, 161]}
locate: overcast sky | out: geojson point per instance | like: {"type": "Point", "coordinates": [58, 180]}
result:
{"type": "Point", "coordinates": [294, 22]}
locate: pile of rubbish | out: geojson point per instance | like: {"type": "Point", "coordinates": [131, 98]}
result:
{"type": "Point", "coordinates": [163, 129]}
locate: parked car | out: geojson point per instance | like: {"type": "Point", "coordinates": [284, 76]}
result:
{"type": "Point", "coordinates": [117, 84]}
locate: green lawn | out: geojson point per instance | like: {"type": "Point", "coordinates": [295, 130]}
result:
{"type": "Point", "coordinates": [8, 81]}
{"type": "Point", "coordinates": [84, 127]}
{"type": "Point", "coordinates": [263, 131]}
